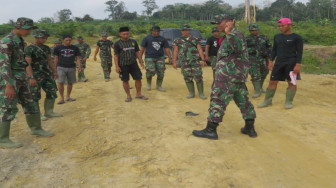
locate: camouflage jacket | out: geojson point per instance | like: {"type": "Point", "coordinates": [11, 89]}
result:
{"type": "Point", "coordinates": [39, 56]}
{"type": "Point", "coordinates": [105, 48]}
{"type": "Point", "coordinates": [187, 48]}
{"type": "Point", "coordinates": [52, 52]}
{"type": "Point", "coordinates": [233, 64]}
{"type": "Point", "coordinates": [12, 59]}
{"type": "Point", "coordinates": [84, 49]}
{"type": "Point", "coordinates": [259, 47]}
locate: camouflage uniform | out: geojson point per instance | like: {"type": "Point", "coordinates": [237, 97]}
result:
{"type": "Point", "coordinates": [189, 59]}
{"type": "Point", "coordinates": [41, 72]}
{"type": "Point", "coordinates": [230, 77]}
{"type": "Point", "coordinates": [85, 52]}
{"type": "Point", "coordinates": [105, 56]}
{"type": "Point", "coordinates": [13, 71]}
{"type": "Point", "coordinates": [259, 49]}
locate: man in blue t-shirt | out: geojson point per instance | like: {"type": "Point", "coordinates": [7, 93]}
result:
{"type": "Point", "coordinates": [65, 57]}
{"type": "Point", "coordinates": [154, 47]}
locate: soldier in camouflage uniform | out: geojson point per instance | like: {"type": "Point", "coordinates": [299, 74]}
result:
{"type": "Point", "coordinates": [259, 48]}
{"type": "Point", "coordinates": [85, 52]}
{"type": "Point", "coordinates": [39, 66]}
{"type": "Point", "coordinates": [189, 51]}
{"type": "Point", "coordinates": [14, 85]}
{"type": "Point", "coordinates": [105, 55]}
{"type": "Point", "coordinates": [231, 74]}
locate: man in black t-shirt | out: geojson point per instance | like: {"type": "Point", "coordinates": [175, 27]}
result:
{"type": "Point", "coordinates": [126, 51]}
{"type": "Point", "coordinates": [65, 57]}
{"type": "Point", "coordinates": [211, 49]}
{"type": "Point", "coordinates": [155, 45]}
{"type": "Point", "coordinates": [287, 50]}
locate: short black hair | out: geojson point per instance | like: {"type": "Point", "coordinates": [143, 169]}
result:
{"type": "Point", "coordinates": [67, 36]}
{"type": "Point", "coordinates": [123, 29]}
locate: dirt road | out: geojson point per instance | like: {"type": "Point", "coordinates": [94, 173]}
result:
{"type": "Point", "coordinates": [104, 142]}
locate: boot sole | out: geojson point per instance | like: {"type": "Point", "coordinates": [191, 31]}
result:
{"type": "Point", "coordinates": [211, 138]}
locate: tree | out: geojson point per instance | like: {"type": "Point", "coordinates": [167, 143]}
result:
{"type": "Point", "coordinates": [111, 7]}
{"type": "Point", "coordinates": [247, 12]}
{"type": "Point", "coordinates": [64, 15]}
{"type": "Point", "coordinates": [87, 18]}
{"type": "Point", "coordinates": [129, 15]}
{"type": "Point", "coordinates": [150, 6]}
{"type": "Point", "coordinates": [46, 20]}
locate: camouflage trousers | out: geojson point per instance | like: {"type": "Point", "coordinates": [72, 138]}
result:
{"type": "Point", "coordinates": [214, 61]}
{"type": "Point", "coordinates": [192, 70]}
{"type": "Point", "coordinates": [8, 107]}
{"type": "Point", "coordinates": [258, 70]}
{"type": "Point", "coordinates": [83, 63]}
{"type": "Point", "coordinates": [221, 97]}
{"type": "Point", "coordinates": [48, 85]}
{"type": "Point", "coordinates": [155, 66]}
{"type": "Point", "coordinates": [106, 63]}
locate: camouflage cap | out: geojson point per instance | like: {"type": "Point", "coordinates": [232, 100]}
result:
{"type": "Point", "coordinates": [58, 41]}
{"type": "Point", "coordinates": [104, 34]}
{"type": "Point", "coordinates": [215, 29]}
{"type": "Point", "coordinates": [80, 38]}
{"type": "Point", "coordinates": [185, 27]}
{"type": "Point", "coordinates": [219, 18]}
{"type": "Point", "coordinates": [24, 23]}
{"type": "Point", "coordinates": [39, 33]}
{"type": "Point", "coordinates": [253, 27]}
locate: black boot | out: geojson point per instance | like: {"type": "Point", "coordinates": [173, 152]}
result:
{"type": "Point", "coordinates": [209, 132]}
{"type": "Point", "coordinates": [249, 128]}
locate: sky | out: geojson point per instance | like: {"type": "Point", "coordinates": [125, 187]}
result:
{"type": "Point", "coordinates": [36, 9]}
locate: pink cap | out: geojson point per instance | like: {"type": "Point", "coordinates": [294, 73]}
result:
{"type": "Point", "coordinates": [285, 21]}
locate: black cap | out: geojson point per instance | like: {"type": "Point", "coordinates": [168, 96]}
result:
{"type": "Point", "coordinates": [123, 29]}
{"type": "Point", "coordinates": [156, 28]}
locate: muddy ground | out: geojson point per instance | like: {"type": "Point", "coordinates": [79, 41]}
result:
{"type": "Point", "coordinates": [103, 141]}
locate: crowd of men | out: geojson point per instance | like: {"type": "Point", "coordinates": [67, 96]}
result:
{"type": "Point", "coordinates": [25, 70]}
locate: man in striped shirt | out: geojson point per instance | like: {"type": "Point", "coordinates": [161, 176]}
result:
{"type": "Point", "coordinates": [126, 51]}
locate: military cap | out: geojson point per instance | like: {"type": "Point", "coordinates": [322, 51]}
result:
{"type": "Point", "coordinates": [104, 34]}
{"type": "Point", "coordinates": [39, 33]}
{"type": "Point", "coordinates": [80, 38]}
{"type": "Point", "coordinates": [58, 41]}
{"type": "Point", "coordinates": [215, 29]}
{"type": "Point", "coordinates": [185, 27]}
{"type": "Point", "coordinates": [219, 18]}
{"type": "Point", "coordinates": [253, 27]}
{"type": "Point", "coordinates": [123, 29]}
{"type": "Point", "coordinates": [25, 23]}
{"type": "Point", "coordinates": [156, 28]}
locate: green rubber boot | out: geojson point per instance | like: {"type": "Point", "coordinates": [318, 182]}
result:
{"type": "Point", "coordinates": [159, 85]}
{"type": "Point", "coordinates": [191, 88]}
{"type": "Point", "coordinates": [34, 123]}
{"type": "Point", "coordinates": [43, 118]}
{"type": "Point", "coordinates": [49, 108]}
{"type": "Point", "coordinates": [257, 92]}
{"type": "Point", "coordinates": [268, 98]}
{"type": "Point", "coordinates": [5, 142]}
{"type": "Point", "coordinates": [289, 98]}
{"type": "Point", "coordinates": [149, 83]}
{"type": "Point", "coordinates": [200, 89]}
{"type": "Point", "coordinates": [261, 86]}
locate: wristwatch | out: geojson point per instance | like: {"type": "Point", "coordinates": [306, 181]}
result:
{"type": "Point", "coordinates": [31, 77]}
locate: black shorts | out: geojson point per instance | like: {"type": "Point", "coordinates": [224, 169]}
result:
{"type": "Point", "coordinates": [281, 71]}
{"type": "Point", "coordinates": [132, 69]}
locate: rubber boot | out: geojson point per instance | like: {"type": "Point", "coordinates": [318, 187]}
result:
{"type": "Point", "coordinates": [43, 118]}
{"type": "Point", "coordinates": [289, 98]}
{"type": "Point", "coordinates": [149, 83]}
{"type": "Point", "coordinates": [49, 108]}
{"type": "Point", "coordinates": [159, 85]}
{"type": "Point", "coordinates": [249, 128]}
{"type": "Point", "coordinates": [200, 89]}
{"type": "Point", "coordinates": [209, 132]}
{"type": "Point", "coordinates": [268, 98]}
{"type": "Point", "coordinates": [257, 92]}
{"type": "Point", "coordinates": [261, 86]}
{"type": "Point", "coordinates": [5, 142]}
{"type": "Point", "coordinates": [34, 123]}
{"type": "Point", "coordinates": [191, 89]}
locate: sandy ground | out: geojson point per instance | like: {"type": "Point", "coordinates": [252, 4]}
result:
{"type": "Point", "coordinates": [104, 142]}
